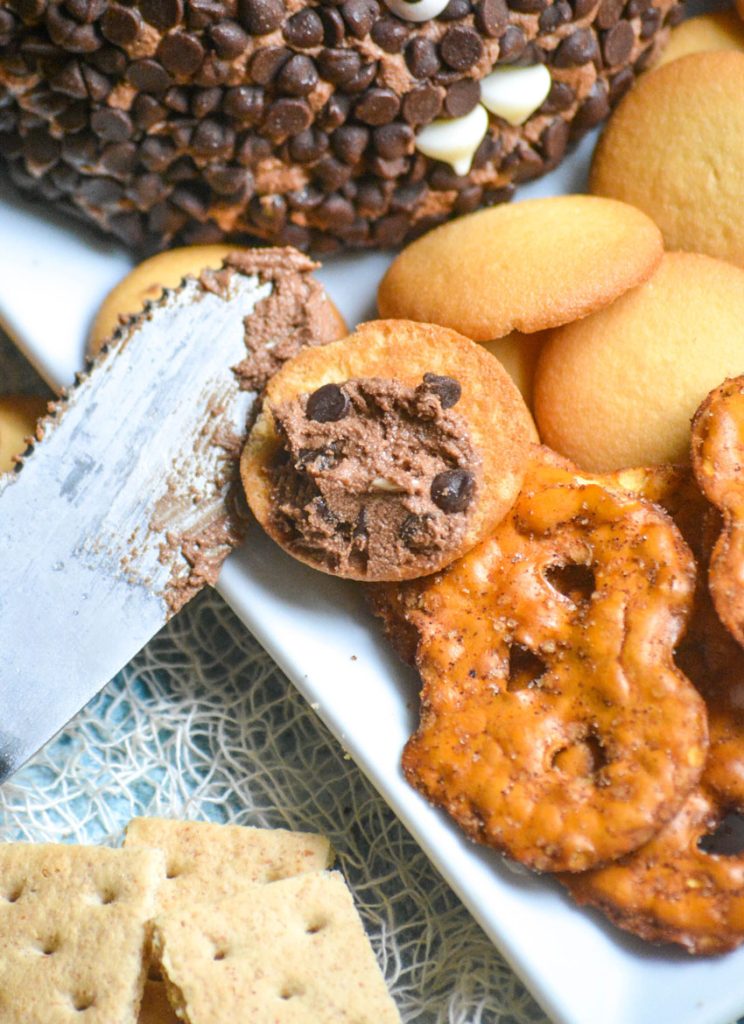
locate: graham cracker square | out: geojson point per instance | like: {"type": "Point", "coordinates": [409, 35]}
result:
{"type": "Point", "coordinates": [74, 931]}
{"type": "Point", "coordinates": [206, 861]}
{"type": "Point", "coordinates": [290, 952]}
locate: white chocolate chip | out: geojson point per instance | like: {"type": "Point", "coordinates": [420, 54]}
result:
{"type": "Point", "coordinates": [417, 10]}
{"type": "Point", "coordinates": [454, 141]}
{"type": "Point", "coordinates": [381, 483]}
{"type": "Point", "coordinates": [515, 93]}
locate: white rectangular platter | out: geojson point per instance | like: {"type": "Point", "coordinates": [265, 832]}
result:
{"type": "Point", "coordinates": [53, 275]}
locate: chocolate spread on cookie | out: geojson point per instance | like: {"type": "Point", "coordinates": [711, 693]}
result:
{"type": "Point", "coordinates": [374, 474]}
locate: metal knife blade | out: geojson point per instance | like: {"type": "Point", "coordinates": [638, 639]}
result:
{"type": "Point", "coordinates": [98, 529]}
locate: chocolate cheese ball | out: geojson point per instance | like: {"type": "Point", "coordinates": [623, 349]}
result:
{"type": "Point", "coordinates": [327, 124]}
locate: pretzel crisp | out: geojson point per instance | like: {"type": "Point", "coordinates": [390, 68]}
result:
{"type": "Point", "coordinates": [718, 463]}
{"type": "Point", "coordinates": [554, 724]}
{"type": "Point", "coordinates": [676, 888]}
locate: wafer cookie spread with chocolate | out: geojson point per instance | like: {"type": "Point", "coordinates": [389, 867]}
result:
{"type": "Point", "coordinates": [371, 461]}
{"type": "Point", "coordinates": [346, 122]}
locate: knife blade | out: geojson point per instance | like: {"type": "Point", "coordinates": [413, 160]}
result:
{"type": "Point", "coordinates": [129, 502]}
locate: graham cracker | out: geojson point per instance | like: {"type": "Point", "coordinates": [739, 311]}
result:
{"type": "Point", "coordinates": [74, 929]}
{"type": "Point", "coordinates": [290, 952]}
{"type": "Point", "coordinates": [205, 861]}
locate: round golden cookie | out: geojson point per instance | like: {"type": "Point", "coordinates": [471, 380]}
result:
{"type": "Point", "coordinates": [675, 148]}
{"type": "Point", "coordinates": [619, 388]}
{"type": "Point", "coordinates": [18, 416]}
{"type": "Point", "coordinates": [148, 279]}
{"type": "Point", "coordinates": [525, 267]}
{"type": "Point", "coordinates": [388, 454]}
{"type": "Point", "coordinates": [518, 354]}
{"type": "Point", "coordinates": [721, 30]}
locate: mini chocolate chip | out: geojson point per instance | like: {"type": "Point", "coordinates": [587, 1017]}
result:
{"type": "Point", "coordinates": [85, 11]}
{"type": "Point", "coordinates": [359, 16]}
{"type": "Point", "coordinates": [298, 76]}
{"type": "Point", "coordinates": [177, 99]}
{"type": "Point", "coordinates": [261, 16]}
{"type": "Point", "coordinates": [308, 146]}
{"type": "Point", "coordinates": [69, 81]}
{"type": "Point", "coordinates": [120, 24]}
{"type": "Point", "coordinates": [181, 54]}
{"type": "Point", "coordinates": [245, 103]}
{"type": "Point", "coordinates": [212, 138]}
{"type": "Point", "coordinates": [452, 490]}
{"type": "Point", "coordinates": [558, 13]}
{"type": "Point", "coordinates": [455, 10]}
{"type": "Point", "coordinates": [148, 75]}
{"type": "Point", "coordinates": [560, 97]}
{"type": "Point", "coordinates": [109, 60]}
{"type": "Point", "coordinates": [229, 39]}
{"type": "Point", "coordinates": [331, 173]}
{"type": "Point", "coordinates": [461, 97]}
{"type": "Point", "coordinates": [266, 62]}
{"type": "Point", "coordinates": [650, 22]}
{"type": "Point", "coordinates": [447, 389]}
{"type": "Point", "coordinates": [393, 140]}
{"type": "Point", "coordinates": [390, 34]}
{"type": "Point", "coordinates": [511, 44]}
{"type": "Point", "coordinates": [163, 14]}
{"type": "Point", "coordinates": [333, 26]}
{"type": "Point", "coordinates": [578, 48]}
{"type": "Point", "coordinates": [422, 58]}
{"type": "Point", "coordinates": [469, 199]}
{"type": "Point", "coordinates": [377, 106]}
{"type": "Point", "coordinates": [69, 34]}
{"type": "Point", "coordinates": [205, 101]}
{"type": "Point", "coordinates": [554, 140]}
{"type": "Point", "coordinates": [619, 85]}
{"type": "Point", "coordinates": [112, 125]}
{"type": "Point", "coordinates": [594, 108]}
{"type": "Point", "coordinates": [338, 66]}
{"type": "Point", "coordinates": [461, 47]}
{"type": "Point", "coordinates": [334, 113]}
{"type": "Point", "coordinates": [118, 159]}
{"type": "Point", "coordinates": [361, 80]}
{"type": "Point", "coordinates": [349, 142]}
{"type": "Point", "coordinates": [617, 43]}
{"type": "Point", "coordinates": [332, 214]}
{"type": "Point", "coordinates": [608, 13]}
{"type": "Point", "coordinates": [287, 117]}
{"type": "Point", "coordinates": [327, 405]}
{"type": "Point", "coordinates": [491, 17]}
{"type": "Point", "coordinates": [422, 104]}
{"type": "Point", "coordinates": [304, 29]}
{"type": "Point", "coordinates": [583, 7]}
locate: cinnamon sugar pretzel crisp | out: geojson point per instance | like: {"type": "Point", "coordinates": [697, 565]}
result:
{"type": "Point", "coordinates": [554, 724]}
{"type": "Point", "coordinates": [687, 884]}
{"type": "Point", "coordinates": [718, 462]}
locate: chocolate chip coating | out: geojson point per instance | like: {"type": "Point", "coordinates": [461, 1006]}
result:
{"type": "Point", "coordinates": [324, 99]}
{"type": "Point", "coordinates": [453, 490]}
{"type": "Point", "coordinates": [327, 405]}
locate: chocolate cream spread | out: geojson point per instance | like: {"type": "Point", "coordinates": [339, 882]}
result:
{"type": "Point", "coordinates": [296, 313]}
{"type": "Point", "coordinates": [202, 511]}
{"type": "Point", "coordinates": [373, 473]}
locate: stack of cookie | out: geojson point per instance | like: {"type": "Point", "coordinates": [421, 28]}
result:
{"type": "Point", "coordinates": [241, 921]}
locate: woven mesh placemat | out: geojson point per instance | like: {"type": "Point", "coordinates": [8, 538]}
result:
{"type": "Point", "coordinates": [203, 725]}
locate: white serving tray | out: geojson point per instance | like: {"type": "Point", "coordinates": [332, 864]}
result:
{"type": "Point", "coordinates": [53, 275]}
